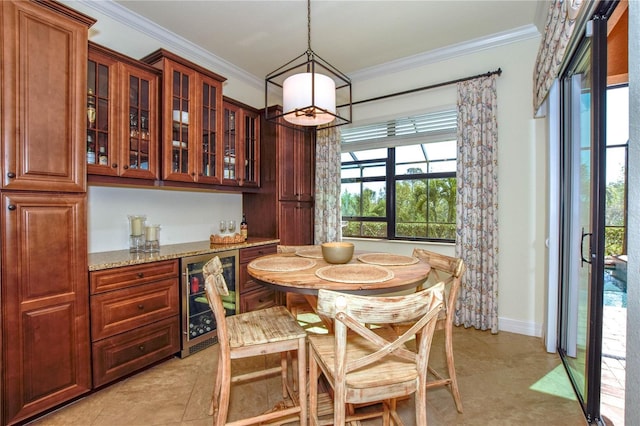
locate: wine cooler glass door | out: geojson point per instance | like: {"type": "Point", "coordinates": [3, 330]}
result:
{"type": "Point", "coordinates": [199, 325]}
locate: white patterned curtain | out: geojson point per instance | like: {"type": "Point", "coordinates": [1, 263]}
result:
{"type": "Point", "coordinates": [477, 203]}
{"type": "Point", "coordinates": [560, 24]}
{"type": "Point", "coordinates": [327, 202]}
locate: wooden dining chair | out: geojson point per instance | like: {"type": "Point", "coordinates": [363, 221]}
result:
{"type": "Point", "coordinates": [363, 365]}
{"type": "Point", "coordinates": [450, 271]}
{"type": "Point", "coordinates": [267, 331]}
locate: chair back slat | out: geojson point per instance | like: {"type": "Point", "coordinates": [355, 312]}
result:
{"type": "Point", "coordinates": [376, 310]}
{"type": "Point", "coordinates": [351, 312]}
{"type": "Point", "coordinates": [447, 269]}
{"type": "Point", "coordinates": [215, 286]}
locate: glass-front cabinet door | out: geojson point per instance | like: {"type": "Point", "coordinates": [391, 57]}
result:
{"type": "Point", "coordinates": [102, 89]}
{"type": "Point", "coordinates": [209, 169]}
{"type": "Point", "coordinates": [139, 153]}
{"type": "Point", "coordinates": [251, 149]}
{"type": "Point", "coordinates": [241, 145]}
{"type": "Point", "coordinates": [230, 142]}
{"type": "Point", "coordinates": [180, 99]}
{"type": "Point", "coordinates": [191, 111]}
{"type": "Point", "coordinates": [122, 116]}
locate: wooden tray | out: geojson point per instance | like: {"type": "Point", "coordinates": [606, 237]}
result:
{"type": "Point", "coordinates": [355, 273]}
{"type": "Point", "coordinates": [387, 259]}
{"type": "Point", "coordinates": [283, 264]}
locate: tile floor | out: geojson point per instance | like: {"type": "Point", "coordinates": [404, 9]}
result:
{"type": "Point", "coordinates": [505, 379]}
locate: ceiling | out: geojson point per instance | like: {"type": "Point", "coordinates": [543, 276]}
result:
{"type": "Point", "coordinates": [260, 36]}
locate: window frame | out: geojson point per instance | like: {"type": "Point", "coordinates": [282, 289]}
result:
{"type": "Point", "coordinates": [436, 132]}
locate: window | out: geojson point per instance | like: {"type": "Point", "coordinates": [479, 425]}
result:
{"type": "Point", "coordinates": [399, 179]}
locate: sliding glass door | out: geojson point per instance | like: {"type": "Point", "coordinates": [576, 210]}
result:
{"type": "Point", "coordinates": [583, 94]}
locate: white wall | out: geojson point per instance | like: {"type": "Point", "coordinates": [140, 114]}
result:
{"type": "Point", "coordinates": [522, 159]}
{"type": "Point", "coordinates": [183, 216]}
{"type": "Point", "coordinates": [521, 165]}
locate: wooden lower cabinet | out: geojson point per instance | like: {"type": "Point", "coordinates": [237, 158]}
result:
{"type": "Point", "coordinates": [135, 318]}
{"type": "Point", "coordinates": [254, 295]}
{"type": "Point", "coordinates": [296, 223]}
{"type": "Point", "coordinates": [122, 354]}
{"type": "Point", "coordinates": [45, 316]}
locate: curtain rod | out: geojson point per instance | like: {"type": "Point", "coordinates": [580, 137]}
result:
{"type": "Point", "coordinates": [433, 86]}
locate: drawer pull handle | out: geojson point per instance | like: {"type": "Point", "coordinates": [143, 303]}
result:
{"type": "Point", "coordinates": [11, 207]}
{"type": "Point", "coordinates": [140, 275]}
{"type": "Point", "coordinates": [11, 175]}
{"type": "Point", "coordinates": [141, 347]}
{"type": "Point", "coordinates": [141, 307]}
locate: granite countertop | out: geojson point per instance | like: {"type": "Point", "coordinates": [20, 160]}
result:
{"type": "Point", "coordinates": [118, 258]}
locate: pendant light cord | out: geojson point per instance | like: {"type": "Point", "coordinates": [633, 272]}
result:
{"type": "Point", "coordinates": [309, 25]}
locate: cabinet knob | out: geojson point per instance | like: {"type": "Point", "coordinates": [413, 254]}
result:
{"type": "Point", "coordinates": [114, 165]}
{"type": "Point", "coordinates": [141, 347]}
{"type": "Point", "coordinates": [140, 275]}
{"type": "Point", "coordinates": [11, 207]}
{"type": "Point", "coordinates": [11, 175]}
{"type": "Point", "coordinates": [141, 307]}
{"type": "Point", "coordinates": [125, 167]}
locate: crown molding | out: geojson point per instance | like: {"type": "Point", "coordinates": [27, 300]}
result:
{"type": "Point", "coordinates": [437, 55]}
{"type": "Point", "coordinates": [181, 46]}
{"type": "Point", "coordinates": [171, 41]}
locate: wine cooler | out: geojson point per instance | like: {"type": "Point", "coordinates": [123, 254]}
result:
{"type": "Point", "coordinates": [198, 321]}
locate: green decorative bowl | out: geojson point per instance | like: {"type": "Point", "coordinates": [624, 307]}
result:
{"type": "Point", "coordinates": [337, 252]}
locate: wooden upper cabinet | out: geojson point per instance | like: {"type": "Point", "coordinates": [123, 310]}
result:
{"type": "Point", "coordinates": [122, 116]}
{"type": "Point", "coordinates": [43, 97]}
{"type": "Point", "coordinates": [191, 114]}
{"type": "Point", "coordinates": [208, 166]}
{"type": "Point", "coordinates": [296, 157]}
{"type": "Point", "coordinates": [241, 145]}
{"type": "Point", "coordinates": [250, 149]}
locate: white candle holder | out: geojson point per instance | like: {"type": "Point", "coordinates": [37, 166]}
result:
{"type": "Point", "coordinates": [152, 238]}
{"type": "Point", "coordinates": [136, 233]}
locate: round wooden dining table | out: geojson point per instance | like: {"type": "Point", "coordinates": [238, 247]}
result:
{"type": "Point", "coordinates": [366, 273]}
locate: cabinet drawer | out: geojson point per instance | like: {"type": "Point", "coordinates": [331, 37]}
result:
{"type": "Point", "coordinates": [113, 279]}
{"type": "Point", "coordinates": [247, 283]}
{"type": "Point", "coordinates": [248, 254]}
{"type": "Point", "coordinates": [259, 299]}
{"type": "Point", "coordinates": [125, 353]}
{"type": "Point", "coordinates": [123, 310]}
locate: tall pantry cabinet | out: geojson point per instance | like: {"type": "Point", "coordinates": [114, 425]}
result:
{"type": "Point", "coordinates": [284, 206]}
{"type": "Point", "coordinates": [44, 329]}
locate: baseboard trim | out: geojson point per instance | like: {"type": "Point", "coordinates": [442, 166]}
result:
{"type": "Point", "coordinates": [520, 327]}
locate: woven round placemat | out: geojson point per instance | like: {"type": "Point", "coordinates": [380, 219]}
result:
{"type": "Point", "coordinates": [311, 252]}
{"type": "Point", "coordinates": [387, 259]}
{"type": "Point", "coordinates": [283, 264]}
{"type": "Point", "coordinates": [354, 273]}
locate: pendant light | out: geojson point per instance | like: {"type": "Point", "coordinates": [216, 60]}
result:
{"type": "Point", "coordinates": [309, 88]}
